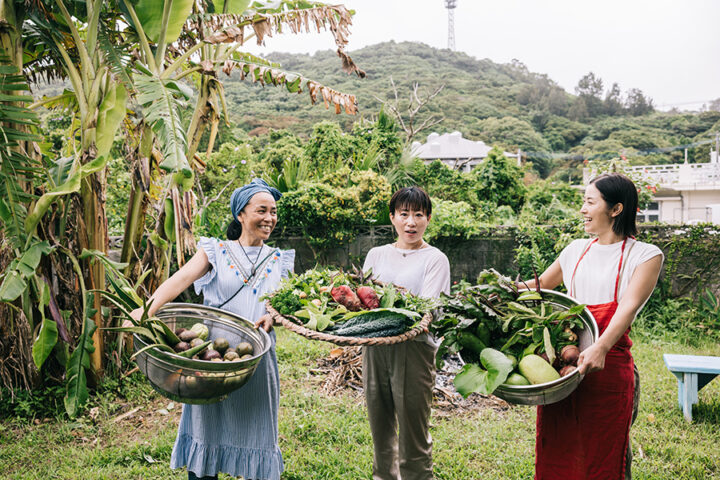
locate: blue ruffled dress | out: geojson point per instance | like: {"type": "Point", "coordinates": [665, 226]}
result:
{"type": "Point", "coordinates": [238, 436]}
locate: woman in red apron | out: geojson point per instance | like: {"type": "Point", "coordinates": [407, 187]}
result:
{"type": "Point", "coordinates": [586, 435]}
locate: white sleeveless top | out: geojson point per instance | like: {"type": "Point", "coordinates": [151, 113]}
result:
{"type": "Point", "coordinates": [596, 273]}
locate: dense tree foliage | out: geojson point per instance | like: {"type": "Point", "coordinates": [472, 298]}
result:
{"type": "Point", "coordinates": [502, 104]}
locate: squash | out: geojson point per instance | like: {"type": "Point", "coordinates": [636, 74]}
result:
{"type": "Point", "coordinates": [537, 370]}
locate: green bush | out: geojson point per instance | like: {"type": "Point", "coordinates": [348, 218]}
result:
{"type": "Point", "coordinates": [500, 181]}
{"type": "Point", "coordinates": [453, 219]}
{"type": "Point", "coordinates": [328, 211]}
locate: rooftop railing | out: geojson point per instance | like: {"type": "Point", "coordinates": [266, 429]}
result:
{"type": "Point", "coordinates": [695, 174]}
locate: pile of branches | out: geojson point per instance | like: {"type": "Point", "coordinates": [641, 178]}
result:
{"type": "Point", "coordinates": [342, 369]}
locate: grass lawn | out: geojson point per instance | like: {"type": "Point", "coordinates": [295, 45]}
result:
{"type": "Point", "coordinates": [328, 437]}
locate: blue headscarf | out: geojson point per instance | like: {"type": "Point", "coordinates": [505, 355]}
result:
{"type": "Point", "coordinates": [241, 196]}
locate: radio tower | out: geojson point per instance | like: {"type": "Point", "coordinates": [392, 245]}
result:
{"type": "Point", "coordinates": [450, 5]}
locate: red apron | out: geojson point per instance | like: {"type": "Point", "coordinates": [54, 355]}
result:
{"type": "Point", "coordinates": [586, 435]}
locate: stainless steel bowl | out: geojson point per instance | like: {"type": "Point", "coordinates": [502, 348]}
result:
{"type": "Point", "coordinates": [198, 381]}
{"type": "Point", "coordinates": [551, 392]}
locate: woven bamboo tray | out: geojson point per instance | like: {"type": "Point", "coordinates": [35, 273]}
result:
{"type": "Point", "coordinates": [422, 327]}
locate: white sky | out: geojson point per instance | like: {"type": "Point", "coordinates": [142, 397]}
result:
{"type": "Point", "coordinates": [670, 49]}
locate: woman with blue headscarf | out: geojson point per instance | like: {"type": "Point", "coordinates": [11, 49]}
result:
{"type": "Point", "coordinates": [239, 435]}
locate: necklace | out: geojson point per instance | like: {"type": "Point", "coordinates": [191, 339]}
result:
{"type": "Point", "coordinates": [253, 266]}
{"type": "Point", "coordinates": [412, 250]}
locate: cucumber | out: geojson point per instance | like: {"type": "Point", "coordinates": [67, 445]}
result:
{"type": "Point", "coordinates": [483, 333]}
{"type": "Point", "coordinates": [470, 341]}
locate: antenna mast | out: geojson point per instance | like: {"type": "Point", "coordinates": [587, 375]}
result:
{"type": "Point", "coordinates": [450, 5]}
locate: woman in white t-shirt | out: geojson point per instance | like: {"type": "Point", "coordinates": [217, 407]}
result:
{"type": "Point", "coordinates": [398, 379]}
{"type": "Point", "coordinates": [586, 436]}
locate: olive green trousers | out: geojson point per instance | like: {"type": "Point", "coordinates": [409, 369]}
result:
{"type": "Point", "coordinates": [398, 381]}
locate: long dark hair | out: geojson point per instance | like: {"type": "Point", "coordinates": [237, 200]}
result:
{"type": "Point", "coordinates": [617, 188]}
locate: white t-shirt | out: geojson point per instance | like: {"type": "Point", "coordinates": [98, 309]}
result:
{"type": "Point", "coordinates": [598, 270]}
{"type": "Point", "coordinates": [424, 272]}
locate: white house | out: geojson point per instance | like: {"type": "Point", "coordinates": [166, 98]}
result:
{"type": "Point", "coordinates": [687, 192]}
{"type": "Point", "coordinates": [454, 151]}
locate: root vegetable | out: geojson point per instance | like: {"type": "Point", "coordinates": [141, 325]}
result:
{"type": "Point", "coordinates": [188, 335]}
{"type": "Point", "coordinates": [567, 370]}
{"type": "Point", "coordinates": [368, 297]}
{"type": "Point", "coordinates": [210, 354]}
{"type": "Point", "coordinates": [570, 354]}
{"type": "Point", "coordinates": [221, 344]}
{"type": "Point", "coordinates": [346, 297]}
{"type": "Point", "coordinates": [244, 348]}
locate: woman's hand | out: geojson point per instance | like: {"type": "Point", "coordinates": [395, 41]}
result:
{"type": "Point", "coordinates": [136, 315]}
{"type": "Point", "coordinates": [265, 322]}
{"type": "Point", "coordinates": [592, 359]}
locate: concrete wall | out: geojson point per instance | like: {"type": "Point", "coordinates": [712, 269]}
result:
{"type": "Point", "coordinates": [469, 256]}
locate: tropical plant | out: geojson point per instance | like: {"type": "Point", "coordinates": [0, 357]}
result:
{"type": "Point", "coordinates": [115, 54]}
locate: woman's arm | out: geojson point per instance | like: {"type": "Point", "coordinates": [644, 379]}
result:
{"type": "Point", "coordinates": [550, 278]}
{"type": "Point", "coordinates": [639, 290]}
{"type": "Point", "coordinates": [195, 268]}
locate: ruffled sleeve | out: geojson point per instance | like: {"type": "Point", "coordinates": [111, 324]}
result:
{"type": "Point", "coordinates": [287, 263]}
{"type": "Point", "coordinates": [209, 246]}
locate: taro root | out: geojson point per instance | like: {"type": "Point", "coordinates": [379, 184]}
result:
{"type": "Point", "coordinates": [216, 360]}
{"type": "Point", "coordinates": [221, 344]}
{"type": "Point", "coordinates": [570, 354]}
{"type": "Point", "coordinates": [231, 356]}
{"type": "Point", "coordinates": [195, 342]}
{"type": "Point", "coordinates": [246, 357]}
{"type": "Point", "coordinates": [244, 348]}
{"type": "Point", "coordinates": [179, 330]}
{"type": "Point", "coordinates": [210, 354]}
{"type": "Point", "coordinates": [181, 347]}
{"type": "Point", "coordinates": [187, 335]}
{"type": "Point", "coordinates": [230, 349]}
{"type": "Point", "coordinates": [567, 370]}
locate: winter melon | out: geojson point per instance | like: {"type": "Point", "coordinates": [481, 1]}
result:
{"type": "Point", "coordinates": [537, 370]}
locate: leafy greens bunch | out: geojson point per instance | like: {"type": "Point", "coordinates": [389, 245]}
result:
{"type": "Point", "coordinates": [348, 304]}
{"type": "Point", "coordinates": [494, 325]}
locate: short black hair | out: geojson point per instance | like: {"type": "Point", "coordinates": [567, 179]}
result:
{"type": "Point", "coordinates": [411, 198]}
{"type": "Point", "coordinates": [617, 188]}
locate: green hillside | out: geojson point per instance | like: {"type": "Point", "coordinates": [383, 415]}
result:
{"type": "Point", "coordinates": [503, 104]}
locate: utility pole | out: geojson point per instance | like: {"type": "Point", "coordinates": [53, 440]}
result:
{"type": "Point", "coordinates": [450, 5]}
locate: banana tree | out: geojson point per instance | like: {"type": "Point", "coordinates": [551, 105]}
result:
{"type": "Point", "coordinates": [209, 43]}
{"type": "Point", "coordinates": [114, 54]}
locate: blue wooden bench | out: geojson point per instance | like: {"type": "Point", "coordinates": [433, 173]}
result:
{"type": "Point", "coordinates": [693, 372]}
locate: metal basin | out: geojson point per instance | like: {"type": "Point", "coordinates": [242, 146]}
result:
{"type": "Point", "coordinates": [198, 381]}
{"type": "Point", "coordinates": [551, 392]}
